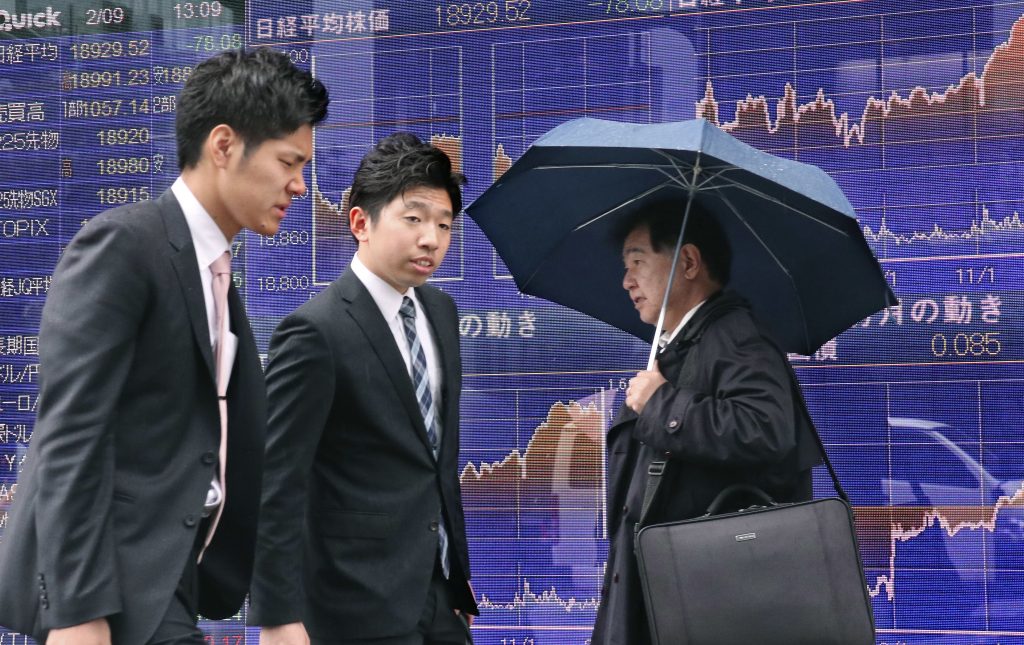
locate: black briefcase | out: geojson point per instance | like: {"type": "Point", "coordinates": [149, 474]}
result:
{"type": "Point", "coordinates": [778, 574]}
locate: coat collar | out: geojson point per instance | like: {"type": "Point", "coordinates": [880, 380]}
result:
{"type": "Point", "coordinates": [183, 259]}
{"type": "Point", "coordinates": [367, 315]}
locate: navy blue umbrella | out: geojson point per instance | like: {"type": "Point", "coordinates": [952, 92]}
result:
{"type": "Point", "coordinates": [799, 255]}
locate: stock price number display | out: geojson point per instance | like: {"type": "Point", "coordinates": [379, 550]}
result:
{"type": "Point", "coordinates": [110, 49]}
{"type": "Point", "coordinates": [962, 344]}
{"type": "Point", "coordinates": [630, 7]}
{"type": "Point", "coordinates": [479, 14]}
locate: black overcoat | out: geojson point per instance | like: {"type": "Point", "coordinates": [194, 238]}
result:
{"type": "Point", "coordinates": [730, 413]}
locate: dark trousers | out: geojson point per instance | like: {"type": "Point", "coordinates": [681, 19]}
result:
{"type": "Point", "coordinates": [438, 625]}
{"type": "Point", "coordinates": [178, 626]}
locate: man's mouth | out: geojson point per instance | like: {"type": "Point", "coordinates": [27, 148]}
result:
{"type": "Point", "coordinates": [423, 264]}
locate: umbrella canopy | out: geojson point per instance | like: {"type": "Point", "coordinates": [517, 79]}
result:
{"type": "Point", "coordinates": [799, 255]}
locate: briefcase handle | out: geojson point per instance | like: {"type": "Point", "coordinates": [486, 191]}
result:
{"type": "Point", "coordinates": [656, 469]}
{"type": "Point", "coordinates": [736, 489]}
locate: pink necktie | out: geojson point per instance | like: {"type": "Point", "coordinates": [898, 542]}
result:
{"type": "Point", "coordinates": [221, 269]}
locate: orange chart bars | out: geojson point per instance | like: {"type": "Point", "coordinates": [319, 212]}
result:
{"type": "Point", "coordinates": [564, 459]}
{"type": "Point", "coordinates": [989, 105]}
{"type": "Point", "coordinates": [502, 162]}
{"type": "Point", "coordinates": [881, 529]}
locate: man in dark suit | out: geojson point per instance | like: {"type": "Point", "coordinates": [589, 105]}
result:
{"type": "Point", "coordinates": [721, 405]}
{"type": "Point", "coordinates": [362, 537]}
{"type": "Point", "coordinates": [147, 450]}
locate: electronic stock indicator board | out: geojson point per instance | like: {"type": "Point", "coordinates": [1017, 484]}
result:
{"type": "Point", "coordinates": [915, 107]}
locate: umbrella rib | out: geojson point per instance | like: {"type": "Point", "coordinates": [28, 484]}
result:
{"type": "Point", "coordinates": [675, 164]}
{"type": "Point", "coordinates": [681, 183]}
{"type": "Point", "coordinates": [774, 257]}
{"type": "Point", "coordinates": [624, 204]}
{"type": "Point", "coordinates": [716, 175]}
{"type": "Point", "coordinates": [775, 200]}
{"type": "Point", "coordinates": [635, 166]}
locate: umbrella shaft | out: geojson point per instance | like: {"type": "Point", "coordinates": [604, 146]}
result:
{"type": "Point", "coordinates": [660, 327]}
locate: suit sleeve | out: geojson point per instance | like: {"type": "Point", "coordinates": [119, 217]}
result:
{"type": "Point", "coordinates": [745, 418]}
{"type": "Point", "coordinates": [87, 345]}
{"type": "Point", "coordinates": [300, 390]}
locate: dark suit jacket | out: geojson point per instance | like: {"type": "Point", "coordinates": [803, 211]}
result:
{"type": "Point", "coordinates": [730, 413]}
{"type": "Point", "coordinates": [348, 534]}
{"type": "Point", "coordinates": [126, 437]}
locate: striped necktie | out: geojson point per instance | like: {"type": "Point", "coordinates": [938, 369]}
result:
{"type": "Point", "coordinates": [426, 402]}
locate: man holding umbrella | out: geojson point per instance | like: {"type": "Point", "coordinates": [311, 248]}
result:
{"type": "Point", "coordinates": [772, 260]}
{"type": "Point", "coordinates": [721, 404]}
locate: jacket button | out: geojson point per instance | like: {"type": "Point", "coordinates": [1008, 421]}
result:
{"type": "Point", "coordinates": [209, 458]}
{"type": "Point", "coordinates": [45, 603]}
{"type": "Point", "coordinates": [615, 578]}
{"type": "Point", "coordinates": [673, 423]}
{"type": "Point", "coordinates": [190, 520]}
{"type": "Point", "coordinates": [625, 509]}
{"type": "Point", "coordinates": [433, 526]}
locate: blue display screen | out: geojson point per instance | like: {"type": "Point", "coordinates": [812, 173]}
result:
{"type": "Point", "coordinates": [916, 109]}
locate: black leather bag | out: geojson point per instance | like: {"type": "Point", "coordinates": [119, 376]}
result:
{"type": "Point", "coordinates": [771, 574]}
{"type": "Point", "coordinates": [779, 574]}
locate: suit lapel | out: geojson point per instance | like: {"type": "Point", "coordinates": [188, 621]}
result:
{"type": "Point", "coordinates": [365, 312]}
{"type": "Point", "coordinates": [183, 258]}
{"type": "Point", "coordinates": [445, 332]}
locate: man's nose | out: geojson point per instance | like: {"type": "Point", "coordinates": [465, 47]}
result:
{"type": "Point", "coordinates": [298, 186]}
{"type": "Point", "coordinates": [627, 280]}
{"type": "Point", "coordinates": [428, 237]}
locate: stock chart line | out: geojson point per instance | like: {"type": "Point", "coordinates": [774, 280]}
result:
{"type": "Point", "coordinates": [968, 131]}
{"type": "Point", "coordinates": [994, 94]}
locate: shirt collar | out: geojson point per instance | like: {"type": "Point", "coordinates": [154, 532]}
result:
{"type": "Point", "coordinates": [388, 300]}
{"type": "Point", "coordinates": [207, 237]}
{"type": "Point", "coordinates": [667, 337]}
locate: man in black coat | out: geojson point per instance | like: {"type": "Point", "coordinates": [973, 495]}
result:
{"type": "Point", "coordinates": [721, 405]}
{"type": "Point", "coordinates": [362, 537]}
{"type": "Point", "coordinates": [138, 505]}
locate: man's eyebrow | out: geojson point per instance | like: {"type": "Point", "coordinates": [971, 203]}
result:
{"type": "Point", "coordinates": [415, 204]}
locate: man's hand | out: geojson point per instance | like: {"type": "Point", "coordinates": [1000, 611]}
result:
{"type": "Point", "coordinates": [641, 387]}
{"type": "Point", "coordinates": [469, 617]}
{"type": "Point", "coordinates": [290, 634]}
{"type": "Point", "coordinates": [94, 632]}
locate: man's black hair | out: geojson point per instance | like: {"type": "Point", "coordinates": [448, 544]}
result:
{"type": "Point", "coordinates": [258, 92]}
{"type": "Point", "coordinates": [663, 219]}
{"type": "Point", "coordinates": [397, 163]}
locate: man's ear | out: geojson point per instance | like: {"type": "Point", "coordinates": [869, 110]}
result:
{"type": "Point", "coordinates": [221, 144]}
{"type": "Point", "coordinates": [359, 223]}
{"type": "Point", "coordinates": [690, 260]}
